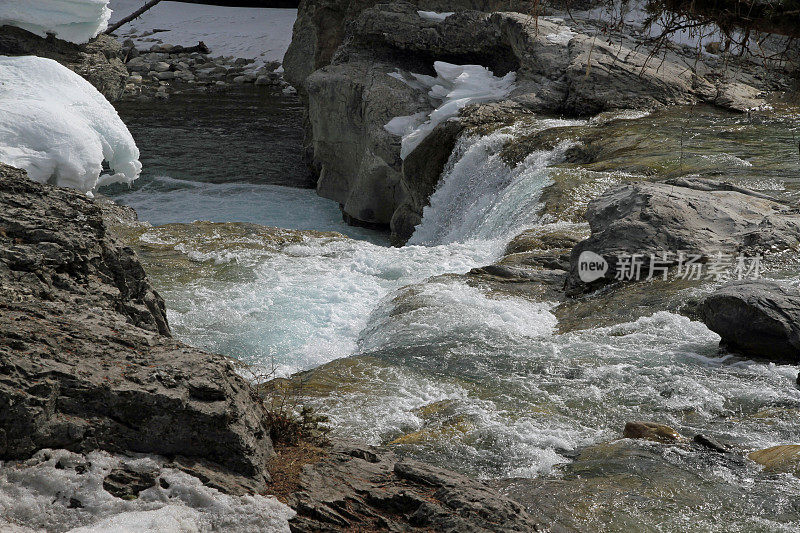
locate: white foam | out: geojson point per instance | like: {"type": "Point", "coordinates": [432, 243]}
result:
{"type": "Point", "coordinates": [76, 21]}
{"type": "Point", "coordinates": [454, 87]}
{"type": "Point", "coordinates": [59, 128]}
{"type": "Point", "coordinates": [37, 495]}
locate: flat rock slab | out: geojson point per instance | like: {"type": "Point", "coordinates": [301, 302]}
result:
{"type": "Point", "coordinates": [756, 318]}
{"type": "Point", "coordinates": [362, 488]}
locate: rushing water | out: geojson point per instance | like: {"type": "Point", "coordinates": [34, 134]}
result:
{"type": "Point", "coordinates": [400, 353]}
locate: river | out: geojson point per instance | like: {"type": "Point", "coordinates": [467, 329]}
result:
{"type": "Point", "coordinates": [397, 350]}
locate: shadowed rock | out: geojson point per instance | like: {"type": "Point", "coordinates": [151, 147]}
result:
{"type": "Point", "coordinates": [756, 318]}
{"type": "Point", "coordinates": [86, 360]}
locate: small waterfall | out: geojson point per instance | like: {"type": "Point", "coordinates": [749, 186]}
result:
{"type": "Point", "coordinates": [479, 197]}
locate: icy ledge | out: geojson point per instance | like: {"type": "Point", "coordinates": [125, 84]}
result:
{"type": "Point", "coordinates": [59, 128]}
{"type": "Point", "coordinates": [454, 87]}
{"type": "Point", "coordinates": [76, 21]}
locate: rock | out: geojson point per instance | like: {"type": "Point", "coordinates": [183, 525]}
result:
{"type": "Point", "coordinates": [165, 76]}
{"type": "Point", "coordinates": [363, 488]}
{"type": "Point", "coordinates": [757, 318]}
{"type": "Point", "coordinates": [651, 431]}
{"type": "Point", "coordinates": [85, 349]}
{"type": "Point", "coordinates": [342, 53]}
{"type": "Point", "coordinates": [711, 443]}
{"type": "Point", "coordinates": [127, 484]}
{"type": "Point", "coordinates": [604, 487]}
{"type": "Point", "coordinates": [358, 161]}
{"type": "Point", "coordinates": [700, 216]}
{"type": "Point", "coordinates": [99, 61]}
{"type": "Point", "coordinates": [783, 459]}
{"type": "Point", "coordinates": [161, 66]}
{"type": "Point", "coordinates": [136, 79]}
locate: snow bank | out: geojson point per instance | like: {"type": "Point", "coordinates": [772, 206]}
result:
{"type": "Point", "coordinates": [42, 496]}
{"type": "Point", "coordinates": [59, 128]}
{"type": "Point", "coordinates": [454, 87]}
{"type": "Point", "coordinates": [261, 34]}
{"type": "Point", "coordinates": [71, 20]}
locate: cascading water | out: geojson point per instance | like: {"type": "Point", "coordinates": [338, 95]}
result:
{"type": "Point", "coordinates": [480, 197]}
{"type": "Point", "coordinates": [443, 369]}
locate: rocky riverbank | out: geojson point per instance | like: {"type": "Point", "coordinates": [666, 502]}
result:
{"type": "Point", "coordinates": [89, 364]}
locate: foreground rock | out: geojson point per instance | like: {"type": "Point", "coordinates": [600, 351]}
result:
{"type": "Point", "coordinates": [699, 216]}
{"type": "Point", "coordinates": [86, 357]}
{"type": "Point", "coordinates": [99, 61]}
{"type": "Point", "coordinates": [358, 488]}
{"type": "Point", "coordinates": [756, 318]}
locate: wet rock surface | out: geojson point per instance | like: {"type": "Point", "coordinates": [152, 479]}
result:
{"type": "Point", "coordinates": [99, 61]}
{"type": "Point", "coordinates": [701, 217]}
{"type": "Point", "coordinates": [85, 354]}
{"type": "Point", "coordinates": [365, 489]}
{"type": "Point", "coordinates": [756, 318]}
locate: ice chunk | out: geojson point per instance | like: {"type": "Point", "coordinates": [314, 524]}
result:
{"type": "Point", "coordinates": [454, 87]}
{"type": "Point", "coordinates": [71, 20]}
{"type": "Point", "coordinates": [59, 128]}
{"type": "Point", "coordinates": [433, 15]}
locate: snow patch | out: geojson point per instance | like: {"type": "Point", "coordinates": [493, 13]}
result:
{"type": "Point", "coordinates": [563, 37]}
{"type": "Point", "coordinates": [59, 128]}
{"type": "Point", "coordinates": [433, 15]}
{"type": "Point", "coordinates": [76, 21]}
{"type": "Point", "coordinates": [38, 495]}
{"type": "Point", "coordinates": [262, 34]}
{"type": "Point", "coordinates": [454, 87]}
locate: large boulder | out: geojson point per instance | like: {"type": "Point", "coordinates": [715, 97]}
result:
{"type": "Point", "coordinates": [699, 216]}
{"type": "Point", "coordinates": [756, 318]}
{"type": "Point", "coordinates": [99, 61]}
{"type": "Point", "coordinates": [86, 356]}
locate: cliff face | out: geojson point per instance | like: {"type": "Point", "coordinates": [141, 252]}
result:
{"type": "Point", "coordinates": [86, 357]}
{"type": "Point", "coordinates": [347, 58]}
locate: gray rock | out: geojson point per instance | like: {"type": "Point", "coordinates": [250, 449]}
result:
{"type": "Point", "coordinates": [161, 66]}
{"type": "Point", "coordinates": [165, 75]}
{"type": "Point", "coordinates": [756, 318]}
{"type": "Point", "coordinates": [85, 349]}
{"type": "Point", "coordinates": [362, 488]}
{"type": "Point", "coordinates": [342, 51]}
{"type": "Point", "coordinates": [700, 216]}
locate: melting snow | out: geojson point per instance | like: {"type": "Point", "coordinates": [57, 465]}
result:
{"type": "Point", "coordinates": [71, 20]}
{"type": "Point", "coordinates": [59, 128]}
{"type": "Point", "coordinates": [454, 87]}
